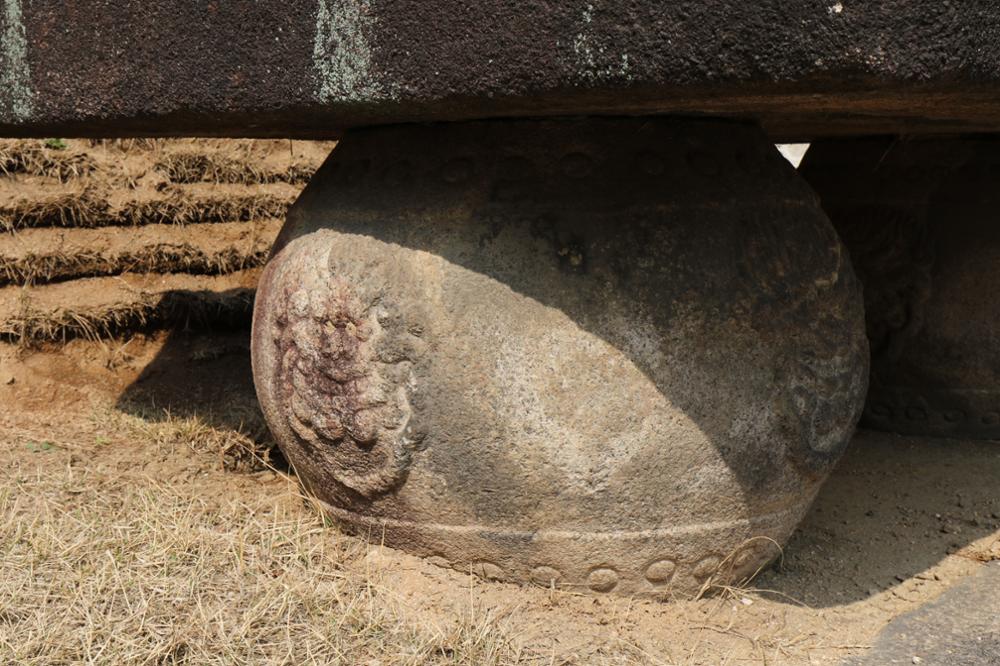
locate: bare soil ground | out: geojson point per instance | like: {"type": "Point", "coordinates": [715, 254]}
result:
{"type": "Point", "coordinates": [146, 519]}
{"type": "Point", "coordinates": [142, 521]}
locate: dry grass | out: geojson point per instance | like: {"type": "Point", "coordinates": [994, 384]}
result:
{"type": "Point", "coordinates": [104, 567]}
{"type": "Point", "coordinates": [124, 544]}
{"type": "Point", "coordinates": [201, 167]}
{"type": "Point", "coordinates": [242, 448]}
{"type": "Point", "coordinates": [179, 161]}
{"type": "Point", "coordinates": [162, 258]}
{"type": "Point", "coordinates": [77, 209]}
{"type": "Point", "coordinates": [180, 208]}
{"type": "Point", "coordinates": [31, 326]}
{"type": "Point", "coordinates": [87, 209]}
{"type": "Point", "coordinates": [129, 145]}
{"type": "Point", "coordinates": [34, 159]}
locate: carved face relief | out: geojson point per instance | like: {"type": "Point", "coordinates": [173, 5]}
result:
{"type": "Point", "coordinates": [345, 392]}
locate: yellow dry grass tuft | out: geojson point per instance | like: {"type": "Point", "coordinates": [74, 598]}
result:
{"type": "Point", "coordinates": [201, 167]}
{"type": "Point", "coordinates": [29, 325]}
{"type": "Point", "coordinates": [161, 258]}
{"type": "Point", "coordinates": [129, 145]}
{"type": "Point", "coordinates": [106, 569]}
{"type": "Point", "coordinates": [33, 158]}
{"type": "Point", "coordinates": [184, 209]}
{"type": "Point", "coordinates": [245, 448]}
{"type": "Point", "coordinates": [77, 209]}
{"type": "Point", "coordinates": [88, 210]}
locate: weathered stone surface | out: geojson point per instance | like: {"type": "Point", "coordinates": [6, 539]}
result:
{"type": "Point", "coordinates": [609, 355]}
{"type": "Point", "coordinates": [318, 67]}
{"type": "Point", "coordinates": [919, 220]}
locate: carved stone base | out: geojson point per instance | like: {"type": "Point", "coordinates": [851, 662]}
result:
{"type": "Point", "coordinates": [919, 218]}
{"type": "Point", "coordinates": [607, 355]}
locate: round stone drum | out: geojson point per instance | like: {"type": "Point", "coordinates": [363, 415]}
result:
{"type": "Point", "coordinates": [614, 355]}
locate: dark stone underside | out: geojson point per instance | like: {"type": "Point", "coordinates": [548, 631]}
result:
{"type": "Point", "coordinates": [317, 67]}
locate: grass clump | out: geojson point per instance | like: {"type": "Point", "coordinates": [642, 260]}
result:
{"type": "Point", "coordinates": [126, 569]}
{"type": "Point", "coordinates": [42, 268]}
{"type": "Point", "coordinates": [50, 159]}
{"type": "Point", "coordinates": [30, 325]}
{"type": "Point", "coordinates": [201, 167]}
{"type": "Point", "coordinates": [88, 210]}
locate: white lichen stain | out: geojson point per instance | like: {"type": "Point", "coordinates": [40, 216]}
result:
{"type": "Point", "coordinates": [835, 9]}
{"type": "Point", "coordinates": [15, 77]}
{"type": "Point", "coordinates": [595, 62]}
{"type": "Point", "coordinates": [342, 55]}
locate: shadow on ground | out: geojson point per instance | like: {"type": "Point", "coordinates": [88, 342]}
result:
{"type": "Point", "coordinates": [894, 507]}
{"type": "Point", "coordinates": [204, 376]}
